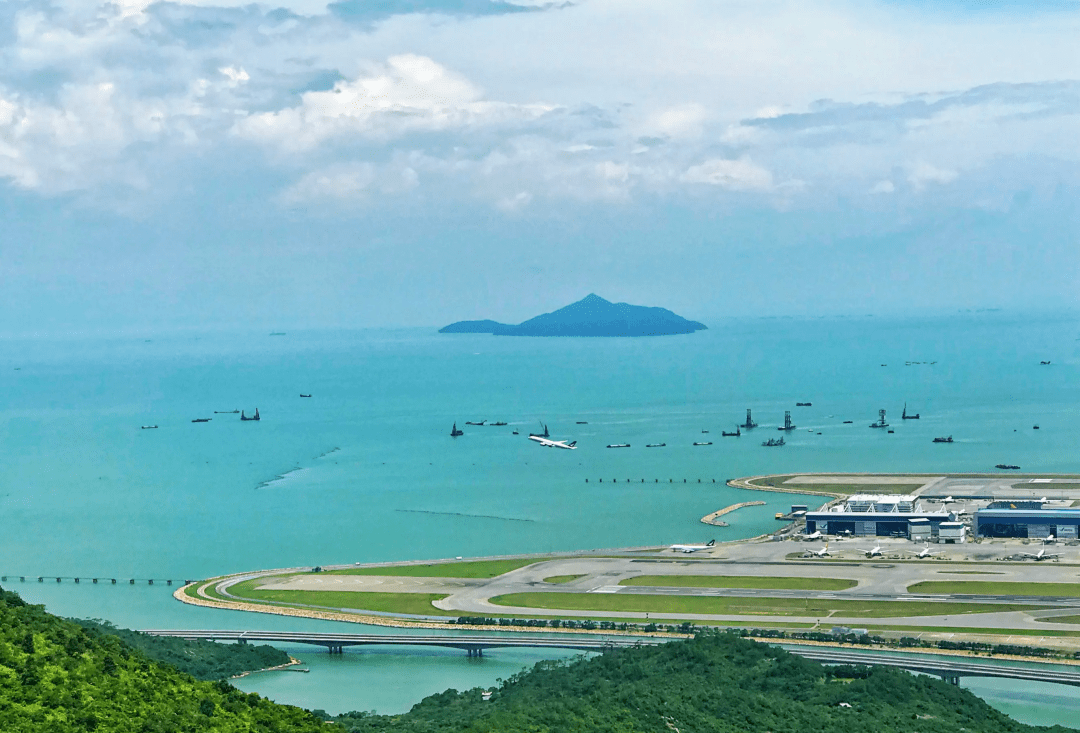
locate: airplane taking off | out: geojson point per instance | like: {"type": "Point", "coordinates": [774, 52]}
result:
{"type": "Point", "coordinates": [874, 552]}
{"type": "Point", "coordinates": [823, 552]}
{"type": "Point", "coordinates": [1040, 555]}
{"type": "Point", "coordinates": [925, 552]}
{"type": "Point", "coordinates": [554, 443]}
{"type": "Point", "coordinates": [692, 548]}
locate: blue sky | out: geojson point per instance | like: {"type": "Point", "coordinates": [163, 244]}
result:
{"type": "Point", "coordinates": [221, 163]}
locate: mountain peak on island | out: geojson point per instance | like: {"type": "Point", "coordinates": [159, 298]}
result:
{"type": "Point", "coordinates": [590, 316]}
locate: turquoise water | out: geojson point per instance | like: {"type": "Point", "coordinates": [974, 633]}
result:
{"type": "Point", "coordinates": [365, 470]}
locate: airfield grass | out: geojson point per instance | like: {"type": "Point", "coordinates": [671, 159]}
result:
{"type": "Point", "coordinates": [562, 578]}
{"type": "Point", "coordinates": [824, 607]}
{"type": "Point", "coordinates": [1059, 620]}
{"type": "Point", "coordinates": [406, 603]}
{"type": "Point", "coordinates": [468, 569]}
{"type": "Point", "coordinates": [994, 587]}
{"type": "Point", "coordinates": [741, 581]}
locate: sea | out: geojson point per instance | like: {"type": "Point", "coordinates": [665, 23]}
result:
{"type": "Point", "coordinates": [365, 469]}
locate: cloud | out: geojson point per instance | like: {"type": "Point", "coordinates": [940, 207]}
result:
{"type": "Point", "coordinates": [922, 173]}
{"type": "Point", "coordinates": [733, 175]}
{"type": "Point", "coordinates": [408, 94]}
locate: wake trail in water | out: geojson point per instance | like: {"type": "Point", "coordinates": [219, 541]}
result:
{"type": "Point", "coordinates": [470, 516]}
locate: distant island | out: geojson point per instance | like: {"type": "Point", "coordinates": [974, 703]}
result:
{"type": "Point", "coordinates": [590, 316]}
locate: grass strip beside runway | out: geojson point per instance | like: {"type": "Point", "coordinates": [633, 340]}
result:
{"type": "Point", "coordinates": [467, 569]}
{"type": "Point", "coordinates": [996, 588]}
{"type": "Point", "coordinates": [409, 603]}
{"type": "Point", "coordinates": [740, 581]}
{"type": "Point", "coordinates": [727, 606]}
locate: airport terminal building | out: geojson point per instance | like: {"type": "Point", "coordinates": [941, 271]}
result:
{"type": "Point", "coordinates": [886, 515]}
{"type": "Point", "coordinates": [1033, 522]}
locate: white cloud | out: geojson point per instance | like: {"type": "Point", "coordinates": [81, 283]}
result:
{"type": "Point", "coordinates": [408, 94]}
{"type": "Point", "coordinates": [883, 186]}
{"type": "Point", "coordinates": [922, 173]}
{"type": "Point", "coordinates": [734, 175]}
{"type": "Point", "coordinates": [682, 121]}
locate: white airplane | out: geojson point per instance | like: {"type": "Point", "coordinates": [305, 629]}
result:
{"type": "Point", "coordinates": [1049, 540]}
{"type": "Point", "coordinates": [925, 552]}
{"type": "Point", "coordinates": [1040, 555]}
{"type": "Point", "coordinates": [692, 548]}
{"type": "Point", "coordinates": [874, 552]}
{"type": "Point", "coordinates": [813, 536]}
{"type": "Point", "coordinates": [948, 500]}
{"type": "Point", "coordinates": [547, 443]}
{"type": "Point", "coordinates": [823, 552]}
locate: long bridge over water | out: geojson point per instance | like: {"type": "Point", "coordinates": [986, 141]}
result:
{"type": "Point", "coordinates": [949, 669]}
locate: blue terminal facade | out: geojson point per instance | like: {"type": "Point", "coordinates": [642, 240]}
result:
{"type": "Point", "coordinates": [1032, 523]}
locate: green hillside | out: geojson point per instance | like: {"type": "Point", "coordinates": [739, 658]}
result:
{"type": "Point", "coordinates": [716, 682]}
{"type": "Point", "coordinates": [57, 678]}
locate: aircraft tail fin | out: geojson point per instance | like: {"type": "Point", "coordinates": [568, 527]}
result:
{"type": "Point", "coordinates": [711, 543]}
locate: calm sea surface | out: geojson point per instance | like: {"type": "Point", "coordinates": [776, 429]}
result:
{"type": "Point", "coordinates": [365, 469]}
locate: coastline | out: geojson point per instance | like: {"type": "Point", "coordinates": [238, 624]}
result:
{"type": "Point", "coordinates": [710, 518]}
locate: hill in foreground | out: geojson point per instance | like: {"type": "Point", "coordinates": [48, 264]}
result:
{"type": "Point", "coordinates": [56, 677]}
{"type": "Point", "coordinates": [591, 316]}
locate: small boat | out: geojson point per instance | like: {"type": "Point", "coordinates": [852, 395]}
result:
{"type": "Point", "coordinates": [582, 422]}
{"type": "Point", "coordinates": [149, 427]}
{"type": "Point", "coordinates": [516, 433]}
{"type": "Point", "coordinates": [892, 431]}
{"type": "Point", "coordinates": [619, 445]}
{"type": "Point", "coordinates": [305, 395]}
{"type": "Point", "coordinates": [656, 445]}
{"type": "Point", "coordinates": [771, 442]}
{"type": "Point", "coordinates": [702, 443]}
{"type": "Point", "coordinates": [1007, 467]}
{"type": "Point", "coordinates": [201, 419]}
{"type": "Point", "coordinates": [1034, 427]}
{"type": "Point", "coordinates": [905, 416]}
{"type": "Point", "coordinates": [947, 439]}
{"type": "Point", "coordinates": [804, 404]}
{"type": "Point", "coordinates": [498, 424]}
{"type": "Point", "coordinates": [704, 432]}
{"type": "Point", "coordinates": [1044, 363]}
{"type": "Point", "coordinates": [726, 434]}
{"type": "Point", "coordinates": [454, 432]}
{"type": "Point", "coordinates": [226, 412]}
{"type": "Point", "coordinates": [470, 422]}
{"type": "Point", "coordinates": [848, 422]}
{"type": "Point", "coordinates": [253, 418]}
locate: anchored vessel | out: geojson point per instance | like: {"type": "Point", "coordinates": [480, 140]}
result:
{"type": "Point", "coordinates": [618, 445]}
{"type": "Point", "coordinates": [726, 434]}
{"type": "Point", "coordinates": [905, 416]}
{"type": "Point", "coordinates": [947, 439]}
{"type": "Point", "coordinates": [749, 424]}
{"type": "Point", "coordinates": [656, 445]}
{"type": "Point", "coordinates": [880, 420]}
{"type": "Point", "coordinates": [702, 443]}
{"type": "Point", "coordinates": [454, 432]}
{"type": "Point", "coordinates": [771, 442]}
{"type": "Point", "coordinates": [499, 424]}
{"type": "Point", "coordinates": [1007, 467]}
{"type": "Point", "coordinates": [544, 434]}
{"type": "Point", "coordinates": [149, 427]}
{"type": "Point", "coordinates": [470, 422]}
{"type": "Point", "coordinates": [804, 404]}
{"type": "Point", "coordinates": [201, 419]}
{"type": "Point", "coordinates": [253, 418]}
{"type": "Point", "coordinates": [787, 421]}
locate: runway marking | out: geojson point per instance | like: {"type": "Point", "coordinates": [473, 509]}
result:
{"type": "Point", "coordinates": [606, 589]}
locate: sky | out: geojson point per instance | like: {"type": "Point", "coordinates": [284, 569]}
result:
{"type": "Point", "coordinates": [203, 164]}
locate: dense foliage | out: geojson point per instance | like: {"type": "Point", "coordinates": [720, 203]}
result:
{"type": "Point", "coordinates": [715, 682]}
{"type": "Point", "coordinates": [202, 659]}
{"type": "Point", "coordinates": [57, 678]}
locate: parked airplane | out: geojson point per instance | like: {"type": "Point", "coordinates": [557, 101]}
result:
{"type": "Point", "coordinates": [874, 552]}
{"type": "Point", "coordinates": [692, 548]}
{"type": "Point", "coordinates": [813, 536]}
{"type": "Point", "coordinates": [554, 443]}
{"type": "Point", "coordinates": [823, 552]}
{"type": "Point", "coordinates": [1040, 555]}
{"type": "Point", "coordinates": [1049, 539]}
{"type": "Point", "coordinates": [925, 552]}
